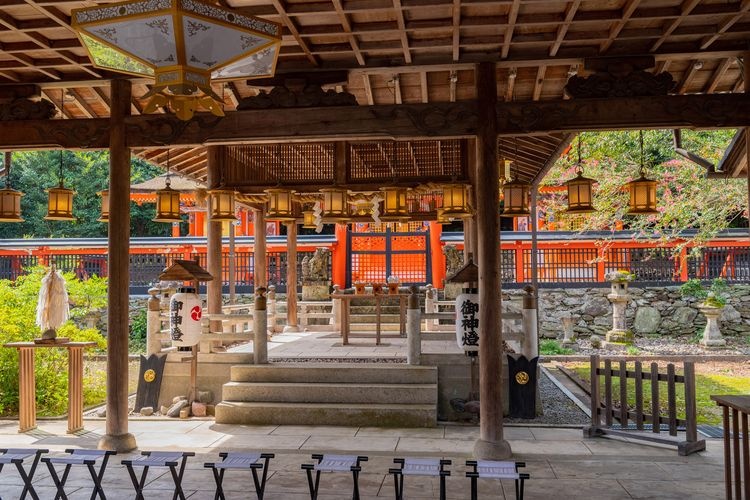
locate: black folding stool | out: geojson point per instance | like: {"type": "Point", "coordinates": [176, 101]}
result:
{"type": "Point", "coordinates": [79, 457]}
{"type": "Point", "coordinates": [238, 460]}
{"type": "Point", "coordinates": [17, 456]}
{"type": "Point", "coordinates": [433, 467]}
{"type": "Point", "coordinates": [333, 463]}
{"type": "Point", "coordinates": [496, 470]}
{"type": "Point", "coordinates": [148, 459]}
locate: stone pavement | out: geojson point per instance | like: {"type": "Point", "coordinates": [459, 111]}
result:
{"type": "Point", "coordinates": [562, 464]}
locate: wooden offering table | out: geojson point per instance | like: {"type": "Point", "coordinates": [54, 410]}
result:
{"type": "Point", "coordinates": [346, 302]}
{"type": "Point", "coordinates": [27, 382]}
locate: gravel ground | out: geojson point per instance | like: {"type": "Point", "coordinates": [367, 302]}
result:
{"type": "Point", "coordinates": [669, 347]}
{"type": "Point", "coordinates": [559, 409]}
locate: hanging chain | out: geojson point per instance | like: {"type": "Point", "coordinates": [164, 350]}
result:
{"type": "Point", "coordinates": [579, 165]}
{"type": "Point", "coordinates": [641, 141]}
{"type": "Point", "coordinates": [168, 180]}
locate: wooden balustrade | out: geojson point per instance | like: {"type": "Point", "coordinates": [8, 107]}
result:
{"type": "Point", "coordinates": [736, 445]}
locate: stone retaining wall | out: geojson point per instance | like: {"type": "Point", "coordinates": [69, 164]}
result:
{"type": "Point", "coordinates": [651, 310]}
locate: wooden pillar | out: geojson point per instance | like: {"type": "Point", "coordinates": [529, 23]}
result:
{"type": "Point", "coordinates": [260, 273]}
{"type": "Point", "coordinates": [75, 389]}
{"type": "Point", "coordinates": [213, 241]}
{"type": "Point", "coordinates": [291, 278]}
{"type": "Point", "coordinates": [232, 264]}
{"type": "Point", "coordinates": [490, 444]}
{"type": "Point", "coordinates": [26, 390]}
{"type": "Point", "coordinates": [116, 434]}
{"type": "Point", "coordinates": [436, 255]}
{"type": "Point", "coordinates": [339, 257]}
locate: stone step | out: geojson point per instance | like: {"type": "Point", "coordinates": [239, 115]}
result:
{"type": "Point", "coordinates": [342, 373]}
{"type": "Point", "coordinates": [346, 414]}
{"type": "Point", "coordinates": [284, 392]}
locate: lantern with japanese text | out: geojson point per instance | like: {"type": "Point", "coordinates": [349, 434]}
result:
{"type": "Point", "coordinates": [467, 321]}
{"type": "Point", "coordinates": [185, 312]}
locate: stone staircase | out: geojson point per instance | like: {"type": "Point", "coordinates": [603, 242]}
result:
{"type": "Point", "coordinates": [383, 395]}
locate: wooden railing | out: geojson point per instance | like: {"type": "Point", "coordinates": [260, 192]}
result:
{"type": "Point", "coordinates": [736, 445]}
{"type": "Point", "coordinates": [639, 415]}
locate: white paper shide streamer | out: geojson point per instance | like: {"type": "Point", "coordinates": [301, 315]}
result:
{"type": "Point", "coordinates": [52, 307]}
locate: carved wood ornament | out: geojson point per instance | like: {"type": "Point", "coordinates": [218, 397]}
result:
{"type": "Point", "coordinates": [619, 77]}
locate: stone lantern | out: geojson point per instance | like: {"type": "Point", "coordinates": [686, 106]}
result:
{"type": "Point", "coordinates": [619, 297]}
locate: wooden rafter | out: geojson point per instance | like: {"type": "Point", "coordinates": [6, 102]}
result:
{"type": "Point", "coordinates": [717, 75]}
{"type": "Point", "coordinates": [617, 26]}
{"type": "Point", "coordinates": [725, 24]}
{"type": "Point", "coordinates": [512, 18]}
{"type": "Point", "coordinates": [368, 89]}
{"type": "Point", "coordinates": [456, 29]}
{"type": "Point", "coordinates": [690, 73]}
{"type": "Point", "coordinates": [424, 88]}
{"type": "Point", "coordinates": [570, 13]}
{"type": "Point", "coordinates": [348, 29]}
{"type": "Point", "coordinates": [453, 81]}
{"type": "Point", "coordinates": [685, 9]}
{"type": "Point", "coordinates": [292, 27]}
{"type": "Point", "coordinates": [84, 106]}
{"type": "Point", "coordinates": [540, 72]}
{"type": "Point", "coordinates": [402, 30]}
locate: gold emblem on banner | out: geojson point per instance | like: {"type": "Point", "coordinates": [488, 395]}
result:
{"type": "Point", "coordinates": [150, 375]}
{"type": "Point", "coordinates": [522, 378]}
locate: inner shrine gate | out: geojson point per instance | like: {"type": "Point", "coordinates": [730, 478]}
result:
{"type": "Point", "coordinates": [375, 256]}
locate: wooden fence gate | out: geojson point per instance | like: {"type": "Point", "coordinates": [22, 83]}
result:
{"type": "Point", "coordinates": [626, 413]}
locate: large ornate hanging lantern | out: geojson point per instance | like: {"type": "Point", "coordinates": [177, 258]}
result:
{"type": "Point", "coordinates": [104, 216]}
{"type": "Point", "coordinates": [335, 206]}
{"type": "Point", "coordinates": [10, 199]}
{"type": "Point", "coordinates": [167, 203]}
{"type": "Point", "coordinates": [642, 192]}
{"type": "Point", "coordinates": [516, 198]}
{"type": "Point", "coordinates": [222, 205]}
{"type": "Point", "coordinates": [456, 201]}
{"type": "Point", "coordinates": [60, 199]}
{"type": "Point", "coordinates": [394, 204]}
{"type": "Point", "coordinates": [580, 189]}
{"type": "Point", "coordinates": [182, 44]}
{"type": "Point", "coordinates": [442, 218]}
{"type": "Point", "coordinates": [280, 205]}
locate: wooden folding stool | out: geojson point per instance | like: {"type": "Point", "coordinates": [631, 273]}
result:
{"type": "Point", "coordinates": [148, 459]}
{"type": "Point", "coordinates": [238, 460]}
{"type": "Point", "coordinates": [79, 457]}
{"type": "Point", "coordinates": [333, 463]}
{"type": "Point", "coordinates": [17, 456]}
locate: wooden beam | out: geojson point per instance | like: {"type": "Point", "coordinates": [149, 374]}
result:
{"type": "Point", "coordinates": [368, 89]}
{"type": "Point", "coordinates": [453, 81]}
{"type": "Point", "coordinates": [82, 104]}
{"type": "Point", "coordinates": [540, 72]}
{"type": "Point", "coordinates": [424, 88]}
{"type": "Point", "coordinates": [348, 29]}
{"type": "Point", "coordinates": [512, 73]}
{"type": "Point", "coordinates": [292, 27]}
{"type": "Point", "coordinates": [406, 121]}
{"type": "Point", "coordinates": [690, 73]}
{"type": "Point", "coordinates": [397, 89]}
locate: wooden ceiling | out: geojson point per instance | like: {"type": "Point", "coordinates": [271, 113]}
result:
{"type": "Point", "coordinates": [412, 51]}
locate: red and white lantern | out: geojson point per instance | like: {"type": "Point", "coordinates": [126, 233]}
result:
{"type": "Point", "coordinates": [185, 312]}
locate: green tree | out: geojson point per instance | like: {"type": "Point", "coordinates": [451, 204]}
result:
{"type": "Point", "coordinates": [686, 199]}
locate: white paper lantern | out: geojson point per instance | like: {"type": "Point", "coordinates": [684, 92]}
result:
{"type": "Point", "coordinates": [185, 312]}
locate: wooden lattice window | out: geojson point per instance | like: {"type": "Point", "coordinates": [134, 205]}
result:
{"type": "Point", "coordinates": [406, 160]}
{"type": "Point", "coordinates": [270, 164]}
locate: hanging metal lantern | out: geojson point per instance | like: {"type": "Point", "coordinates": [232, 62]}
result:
{"type": "Point", "coordinates": [361, 207]}
{"type": "Point", "coordinates": [642, 192]}
{"type": "Point", "coordinates": [580, 189]}
{"type": "Point", "coordinates": [335, 204]}
{"type": "Point", "coordinates": [10, 199]}
{"type": "Point", "coordinates": [104, 216]}
{"type": "Point", "coordinates": [394, 204]}
{"type": "Point", "coordinates": [308, 219]}
{"type": "Point", "coordinates": [222, 205]}
{"type": "Point", "coordinates": [60, 199]}
{"type": "Point", "coordinates": [642, 196]}
{"type": "Point", "coordinates": [280, 205]}
{"type": "Point", "coordinates": [167, 204]}
{"type": "Point", "coordinates": [516, 199]}
{"type": "Point", "coordinates": [456, 201]}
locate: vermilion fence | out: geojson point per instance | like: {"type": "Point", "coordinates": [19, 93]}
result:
{"type": "Point", "coordinates": [560, 261]}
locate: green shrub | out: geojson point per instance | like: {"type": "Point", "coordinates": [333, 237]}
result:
{"type": "Point", "coordinates": [632, 350]}
{"type": "Point", "coordinates": [17, 323]}
{"type": "Point", "coordinates": [551, 347]}
{"type": "Point", "coordinates": [138, 326]}
{"type": "Point", "coordinates": [713, 295]}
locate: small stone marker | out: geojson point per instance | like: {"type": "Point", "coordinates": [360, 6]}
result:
{"type": "Point", "coordinates": [185, 413]}
{"type": "Point", "coordinates": [199, 409]}
{"type": "Point", "coordinates": [204, 397]}
{"type": "Point", "coordinates": [147, 411]}
{"type": "Point", "coordinates": [176, 408]}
